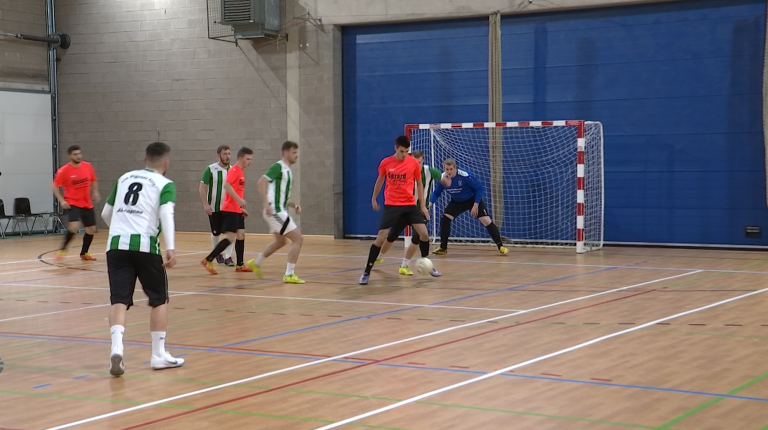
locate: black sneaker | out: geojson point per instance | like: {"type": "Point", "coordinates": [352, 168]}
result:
{"type": "Point", "coordinates": [229, 262]}
{"type": "Point", "coordinates": [220, 259]}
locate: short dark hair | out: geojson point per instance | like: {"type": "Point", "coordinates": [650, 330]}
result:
{"type": "Point", "coordinates": [72, 149]}
{"type": "Point", "coordinates": [244, 151]}
{"type": "Point", "coordinates": [403, 142]}
{"type": "Point", "coordinates": [288, 145]}
{"type": "Point", "coordinates": [156, 151]}
{"type": "Point", "coordinates": [417, 153]}
{"type": "Point", "coordinates": [222, 148]}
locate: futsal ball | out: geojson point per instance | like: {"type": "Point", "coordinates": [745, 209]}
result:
{"type": "Point", "coordinates": [424, 266]}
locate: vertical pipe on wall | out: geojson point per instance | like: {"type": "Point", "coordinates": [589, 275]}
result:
{"type": "Point", "coordinates": [495, 135]}
{"type": "Point", "coordinates": [54, 87]}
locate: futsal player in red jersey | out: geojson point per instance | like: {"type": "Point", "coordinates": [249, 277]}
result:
{"type": "Point", "coordinates": [79, 182]}
{"type": "Point", "coordinates": [401, 172]}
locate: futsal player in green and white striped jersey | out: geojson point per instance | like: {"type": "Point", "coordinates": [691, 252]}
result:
{"type": "Point", "coordinates": [140, 206]}
{"type": "Point", "coordinates": [275, 189]}
{"type": "Point", "coordinates": [211, 191]}
{"type": "Point", "coordinates": [428, 177]}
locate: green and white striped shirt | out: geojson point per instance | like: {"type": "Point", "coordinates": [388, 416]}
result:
{"type": "Point", "coordinates": [428, 177]}
{"type": "Point", "coordinates": [280, 184]}
{"type": "Point", "coordinates": [214, 177]}
{"type": "Point", "coordinates": [136, 200]}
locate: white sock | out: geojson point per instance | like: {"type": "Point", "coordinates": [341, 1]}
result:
{"type": "Point", "coordinates": [259, 259]}
{"type": "Point", "coordinates": [158, 343]}
{"type": "Point", "coordinates": [215, 240]}
{"type": "Point", "coordinates": [289, 269]}
{"type": "Point", "coordinates": [404, 263]}
{"type": "Point", "coordinates": [116, 332]}
{"type": "Point", "coordinates": [228, 251]}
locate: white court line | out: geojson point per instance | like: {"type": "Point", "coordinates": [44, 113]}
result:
{"type": "Point", "coordinates": [73, 310]}
{"type": "Point", "coordinates": [353, 353]}
{"type": "Point", "coordinates": [99, 262]}
{"type": "Point", "coordinates": [523, 263]}
{"type": "Point", "coordinates": [531, 361]}
{"type": "Point", "coordinates": [280, 298]}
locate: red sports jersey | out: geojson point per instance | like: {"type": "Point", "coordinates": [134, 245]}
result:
{"type": "Point", "coordinates": [400, 178]}
{"type": "Point", "coordinates": [236, 177]}
{"type": "Point", "coordinates": [76, 182]}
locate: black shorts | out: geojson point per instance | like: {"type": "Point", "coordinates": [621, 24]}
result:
{"type": "Point", "coordinates": [86, 216]}
{"type": "Point", "coordinates": [455, 208]}
{"type": "Point", "coordinates": [232, 222]}
{"type": "Point", "coordinates": [394, 233]}
{"type": "Point", "coordinates": [399, 216]}
{"type": "Point", "coordinates": [215, 220]}
{"type": "Point", "coordinates": [124, 267]}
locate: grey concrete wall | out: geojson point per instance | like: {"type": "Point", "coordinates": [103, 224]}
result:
{"type": "Point", "coordinates": [23, 64]}
{"type": "Point", "coordinates": [140, 71]}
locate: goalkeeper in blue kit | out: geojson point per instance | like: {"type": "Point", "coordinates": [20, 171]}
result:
{"type": "Point", "coordinates": [466, 194]}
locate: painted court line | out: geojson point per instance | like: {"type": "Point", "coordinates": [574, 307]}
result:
{"type": "Point", "coordinates": [72, 310]}
{"type": "Point", "coordinates": [353, 353]}
{"type": "Point", "coordinates": [524, 263]}
{"type": "Point", "coordinates": [531, 361]}
{"type": "Point", "coordinates": [378, 314]}
{"type": "Point", "coordinates": [279, 298]}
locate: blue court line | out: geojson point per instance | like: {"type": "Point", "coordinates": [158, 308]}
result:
{"type": "Point", "coordinates": [408, 309]}
{"type": "Point", "coordinates": [81, 377]}
{"type": "Point", "coordinates": [407, 366]}
{"type": "Point", "coordinates": [41, 386]}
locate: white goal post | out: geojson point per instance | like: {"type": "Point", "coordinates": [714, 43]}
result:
{"type": "Point", "coordinates": [543, 180]}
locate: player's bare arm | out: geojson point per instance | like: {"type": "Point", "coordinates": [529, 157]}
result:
{"type": "Point", "coordinates": [202, 189]}
{"type": "Point", "coordinates": [231, 191]}
{"type": "Point", "coordinates": [262, 187]}
{"type": "Point", "coordinates": [60, 197]}
{"type": "Point", "coordinates": [95, 192]}
{"type": "Point", "coordinates": [376, 191]}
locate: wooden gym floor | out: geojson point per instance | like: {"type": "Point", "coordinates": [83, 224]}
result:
{"type": "Point", "coordinates": [539, 339]}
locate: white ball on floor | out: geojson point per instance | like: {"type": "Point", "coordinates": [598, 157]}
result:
{"type": "Point", "coordinates": [424, 266]}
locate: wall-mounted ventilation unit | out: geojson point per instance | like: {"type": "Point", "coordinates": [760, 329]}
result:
{"type": "Point", "coordinates": [252, 19]}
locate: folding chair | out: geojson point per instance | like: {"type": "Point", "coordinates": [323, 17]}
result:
{"type": "Point", "coordinates": [22, 210]}
{"type": "Point", "coordinates": [3, 216]}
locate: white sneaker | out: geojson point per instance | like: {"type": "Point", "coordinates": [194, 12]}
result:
{"type": "Point", "coordinates": [167, 361]}
{"type": "Point", "coordinates": [116, 366]}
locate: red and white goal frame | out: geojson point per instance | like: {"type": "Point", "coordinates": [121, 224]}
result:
{"type": "Point", "coordinates": [579, 180]}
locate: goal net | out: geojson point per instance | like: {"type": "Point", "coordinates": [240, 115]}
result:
{"type": "Point", "coordinates": [543, 180]}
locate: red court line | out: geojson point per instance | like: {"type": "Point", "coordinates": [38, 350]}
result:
{"type": "Point", "coordinates": [314, 378]}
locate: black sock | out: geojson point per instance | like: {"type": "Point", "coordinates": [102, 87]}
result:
{"type": "Point", "coordinates": [87, 239]}
{"type": "Point", "coordinates": [424, 248]}
{"type": "Point", "coordinates": [67, 239]}
{"type": "Point", "coordinates": [375, 250]}
{"type": "Point", "coordinates": [445, 231]}
{"type": "Point", "coordinates": [222, 245]}
{"type": "Point", "coordinates": [494, 232]}
{"type": "Point", "coordinates": [239, 250]}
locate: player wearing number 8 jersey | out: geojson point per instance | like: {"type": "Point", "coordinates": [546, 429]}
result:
{"type": "Point", "coordinates": [140, 206]}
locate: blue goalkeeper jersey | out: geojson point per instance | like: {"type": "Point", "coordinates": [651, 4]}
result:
{"type": "Point", "coordinates": [463, 187]}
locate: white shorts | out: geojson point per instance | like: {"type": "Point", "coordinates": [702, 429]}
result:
{"type": "Point", "coordinates": [280, 223]}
